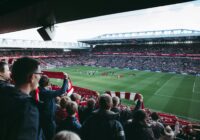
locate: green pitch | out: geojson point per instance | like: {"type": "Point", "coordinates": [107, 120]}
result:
{"type": "Point", "coordinates": [165, 92]}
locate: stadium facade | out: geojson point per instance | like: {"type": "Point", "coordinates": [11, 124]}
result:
{"type": "Point", "coordinates": [175, 36]}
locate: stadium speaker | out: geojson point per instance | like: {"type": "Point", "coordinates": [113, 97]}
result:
{"type": "Point", "coordinates": [47, 33]}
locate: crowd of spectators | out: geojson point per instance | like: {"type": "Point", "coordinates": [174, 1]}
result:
{"type": "Point", "coordinates": [155, 62]}
{"type": "Point", "coordinates": [105, 116]}
{"type": "Point", "coordinates": [152, 63]}
{"type": "Point", "coordinates": [31, 52]}
{"type": "Point", "coordinates": [155, 48]}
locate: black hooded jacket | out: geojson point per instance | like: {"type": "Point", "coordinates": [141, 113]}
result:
{"type": "Point", "coordinates": [103, 125]}
{"type": "Point", "coordinates": [138, 131]}
{"type": "Point", "coordinates": [19, 116]}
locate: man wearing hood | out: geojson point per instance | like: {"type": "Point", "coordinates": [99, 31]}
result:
{"type": "Point", "coordinates": [138, 129]}
{"type": "Point", "coordinates": [103, 124]}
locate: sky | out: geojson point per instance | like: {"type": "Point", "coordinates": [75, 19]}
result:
{"type": "Point", "coordinates": [178, 16]}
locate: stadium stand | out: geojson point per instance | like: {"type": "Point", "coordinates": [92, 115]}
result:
{"type": "Point", "coordinates": [177, 58]}
{"type": "Point", "coordinates": [15, 16]}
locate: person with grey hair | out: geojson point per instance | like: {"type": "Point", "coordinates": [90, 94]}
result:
{"type": "Point", "coordinates": [115, 107]}
{"type": "Point", "coordinates": [168, 134]}
{"type": "Point", "coordinates": [103, 124]}
{"type": "Point", "coordinates": [66, 135]}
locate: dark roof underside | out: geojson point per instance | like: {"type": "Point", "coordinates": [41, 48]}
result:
{"type": "Point", "coordinates": [18, 15]}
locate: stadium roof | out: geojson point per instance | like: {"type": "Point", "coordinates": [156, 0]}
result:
{"type": "Point", "coordinates": [149, 37]}
{"type": "Point", "coordinates": [19, 43]}
{"type": "Point", "coordinates": [16, 15]}
{"type": "Point", "coordinates": [175, 16]}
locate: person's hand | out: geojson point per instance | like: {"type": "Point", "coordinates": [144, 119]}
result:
{"type": "Point", "coordinates": [66, 76]}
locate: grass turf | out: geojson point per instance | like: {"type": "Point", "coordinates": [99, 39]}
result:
{"type": "Point", "coordinates": [165, 92]}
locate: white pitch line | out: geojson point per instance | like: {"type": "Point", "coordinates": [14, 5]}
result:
{"type": "Point", "coordinates": [194, 85]}
{"type": "Point", "coordinates": [156, 93]}
{"type": "Point", "coordinates": [179, 98]}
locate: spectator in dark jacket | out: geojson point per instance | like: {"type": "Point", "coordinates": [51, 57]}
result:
{"type": "Point", "coordinates": [47, 96]}
{"type": "Point", "coordinates": [137, 129]}
{"type": "Point", "coordinates": [157, 127]}
{"type": "Point", "coordinates": [71, 123]}
{"type": "Point", "coordinates": [103, 124]}
{"type": "Point", "coordinates": [19, 115]}
{"type": "Point", "coordinates": [86, 112]}
{"type": "Point", "coordinates": [4, 75]}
